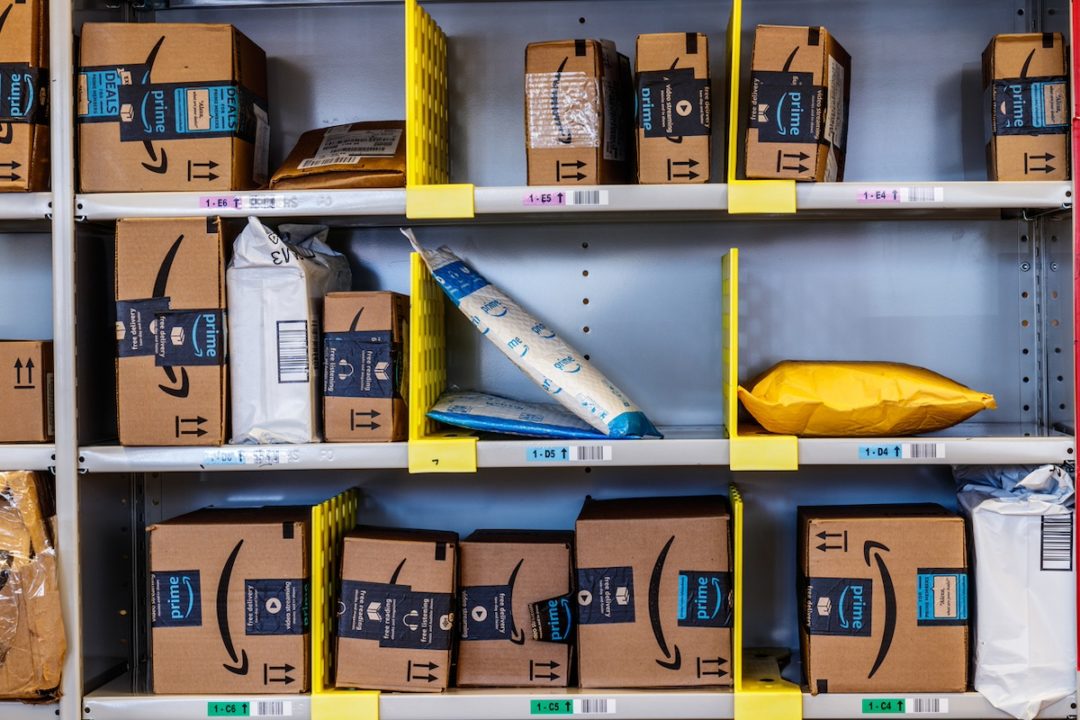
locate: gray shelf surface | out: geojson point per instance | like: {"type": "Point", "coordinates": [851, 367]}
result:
{"type": "Point", "coordinates": [514, 704]}
{"type": "Point", "coordinates": [26, 457]}
{"type": "Point", "coordinates": [896, 196]}
{"type": "Point", "coordinates": [11, 710]}
{"type": "Point", "coordinates": [969, 443]}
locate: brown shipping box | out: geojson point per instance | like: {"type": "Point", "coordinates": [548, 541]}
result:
{"type": "Point", "coordinates": [674, 108]}
{"type": "Point", "coordinates": [516, 612]}
{"type": "Point", "coordinates": [800, 89]}
{"type": "Point", "coordinates": [365, 386]}
{"type": "Point", "coordinates": [654, 592]}
{"type": "Point", "coordinates": [1026, 85]}
{"type": "Point", "coordinates": [396, 609]}
{"type": "Point", "coordinates": [883, 594]}
{"type": "Point", "coordinates": [171, 107]}
{"type": "Point", "coordinates": [24, 96]}
{"type": "Point", "coordinates": [229, 601]}
{"type": "Point", "coordinates": [358, 155]}
{"type": "Point", "coordinates": [171, 366]}
{"type": "Point", "coordinates": [34, 639]}
{"type": "Point", "coordinates": [26, 393]}
{"type": "Point", "coordinates": [578, 113]}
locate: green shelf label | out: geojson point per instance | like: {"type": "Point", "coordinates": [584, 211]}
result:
{"type": "Point", "coordinates": [883, 706]}
{"type": "Point", "coordinates": [551, 707]}
{"type": "Point", "coordinates": [228, 709]}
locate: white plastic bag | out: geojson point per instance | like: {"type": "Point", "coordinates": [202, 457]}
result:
{"type": "Point", "coordinates": [1025, 633]}
{"type": "Point", "coordinates": [276, 286]}
{"type": "Point", "coordinates": [534, 347]}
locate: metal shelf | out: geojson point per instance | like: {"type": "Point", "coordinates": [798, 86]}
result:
{"type": "Point", "coordinates": [25, 206]}
{"type": "Point", "coordinates": [269, 203]}
{"type": "Point", "coordinates": [26, 457]}
{"type": "Point", "coordinates": [497, 704]}
{"type": "Point", "coordinates": [857, 197]}
{"type": "Point", "coordinates": [12, 710]}
{"type": "Point", "coordinates": [314, 456]}
{"type": "Point", "coordinates": [968, 443]}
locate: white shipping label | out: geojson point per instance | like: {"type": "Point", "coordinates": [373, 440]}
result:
{"type": "Point", "coordinates": [261, 172]}
{"type": "Point", "coordinates": [349, 147]}
{"type": "Point", "coordinates": [834, 110]}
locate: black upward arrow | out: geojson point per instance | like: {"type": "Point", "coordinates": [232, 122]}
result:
{"type": "Point", "coordinates": [14, 165]}
{"type": "Point", "coordinates": [1046, 167]}
{"type": "Point", "coordinates": [353, 425]}
{"type": "Point", "coordinates": [552, 665]}
{"type": "Point", "coordinates": [11, 176]}
{"type": "Point", "coordinates": [690, 174]}
{"type": "Point", "coordinates": [572, 165]}
{"type": "Point", "coordinates": [283, 669]}
{"type": "Point", "coordinates": [373, 413]}
{"type": "Point", "coordinates": [426, 666]}
{"type": "Point", "coordinates": [209, 165]}
{"type": "Point", "coordinates": [782, 156]}
{"type": "Point", "coordinates": [797, 156]}
{"type": "Point", "coordinates": [547, 676]}
{"type": "Point", "coordinates": [196, 421]}
{"type": "Point", "coordinates": [703, 671]}
{"type": "Point", "coordinates": [29, 374]}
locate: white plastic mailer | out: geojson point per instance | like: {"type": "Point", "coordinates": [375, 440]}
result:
{"type": "Point", "coordinates": [276, 284]}
{"type": "Point", "coordinates": [536, 349]}
{"type": "Point", "coordinates": [1022, 521]}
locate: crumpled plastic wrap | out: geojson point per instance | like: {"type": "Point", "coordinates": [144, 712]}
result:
{"type": "Point", "coordinates": [1022, 525]}
{"type": "Point", "coordinates": [563, 110]}
{"type": "Point", "coordinates": [276, 283]}
{"type": "Point", "coordinates": [534, 347]}
{"type": "Point", "coordinates": [32, 639]}
{"type": "Point", "coordinates": [858, 399]}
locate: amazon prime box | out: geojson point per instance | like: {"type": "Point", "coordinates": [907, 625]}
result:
{"type": "Point", "coordinates": [171, 367]}
{"type": "Point", "coordinates": [516, 609]}
{"type": "Point", "coordinates": [229, 602]}
{"type": "Point", "coordinates": [654, 592]}
{"type": "Point", "coordinates": [883, 594]}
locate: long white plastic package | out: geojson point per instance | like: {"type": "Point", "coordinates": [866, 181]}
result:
{"type": "Point", "coordinates": [1022, 521]}
{"type": "Point", "coordinates": [534, 347]}
{"type": "Point", "coordinates": [276, 286]}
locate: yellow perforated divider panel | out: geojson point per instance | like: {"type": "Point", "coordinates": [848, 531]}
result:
{"type": "Point", "coordinates": [429, 449]}
{"type": "Point", "coordinates": [760, 692]}
{"type": "Point", "coordinates": [427, 124]}
{"type": "Point", "coordinates": [751, 448]}
{"type": "Point", "coordinates": [747, 196]}
{"type": "Point", "coordinates": [329, 522]}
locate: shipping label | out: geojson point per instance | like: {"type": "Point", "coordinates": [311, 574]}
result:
{"type": "Point", "coordinates": [942, 596]}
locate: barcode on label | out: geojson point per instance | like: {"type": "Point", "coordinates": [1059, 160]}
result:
{"type": "Point", "coordinates": [343, 159]}
{"type": "Point", "coordinates": [596, 706]}
{"type": "Point", "coordinates": [272, 708]}
{"type": "Point", "coordinates": [926, 706]}
{"type": "Point", "coordinates": [924, 194]}
{"type": "Point", "coordinates": [587, 197]}
{"type": "Point", "coordinates": [1056, 546]}
{"type": "Point", "coordinates": [924, 451]}
{"type": "Point", "coordinates": [292, 346]}
{"type": "Point", "coordinates": [590, 453]}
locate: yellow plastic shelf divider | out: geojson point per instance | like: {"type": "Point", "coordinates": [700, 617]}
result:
{"type": "Point", "coordinates": [429, 449]}
{"type": "Point", "coordinates": [427, 124]}
{"type": "Point", "coordinates": [760, 692]}
{"type": "Point", "coordinates": [749, 451]}
{"type": "Point", "coordinates": [439, 202]}
{"type": "Point", "coordinates": [329, 522]}
{"type": "Point", "coordinates": [748, 196]}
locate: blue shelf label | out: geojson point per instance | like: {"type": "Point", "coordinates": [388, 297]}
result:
{"type": "Point", "coordinates": [547, 454]}
{"type": "Point", "coordinates": [893, 451]}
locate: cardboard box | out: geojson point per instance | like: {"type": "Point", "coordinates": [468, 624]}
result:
{"type": "Point", "coordinates": [34, 638]}
{"type": "Point", "coordinates": [578, 113]}
{"type": "Point", "coordinates": [24, 96]}
{"type": "Point", "coordinates": [884, 599]}
{"type": "Point", "coordinates": [171, 107]}
{"type": "Point", "coordinates": [229, 601]}
{"type": "Point", "coordinates": [1026, 85]}
{"type": "Point", "coordinates": [365, 374]}
{"type": "Point", "coordinates": [674, 108]}
{"type": "Point", "coordinates": [26, 393]}
{"type": "Point", "coordinates": [171, 364]}
{"type": "Point", "coordinates": [516, 611]}
{"type": "Point", "coordinates": [800, 89]}
{"type": "Point", "coordinates": [357, 155]}
{"type": "Point", "coordinates": [396, 609]}
{"type": "Point", "coordinates": [654, 592]}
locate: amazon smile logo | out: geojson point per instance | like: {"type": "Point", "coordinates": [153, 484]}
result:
{"type": "Point", "coordinates": [672, 657]}
{"type": "Point", "coordinates": [179, 384]}
{"type": "Point", "coordinates": [240, 661]}
{"type": "Point", "coordinates": [876, 551]}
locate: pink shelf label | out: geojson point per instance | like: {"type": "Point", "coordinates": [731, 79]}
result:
{"type": "Point", "coordinates": [220, 202]}
{"type": "Point", "coordinates": [544, 199]}
{"type": "Point", "coordinates": [898, 195]}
